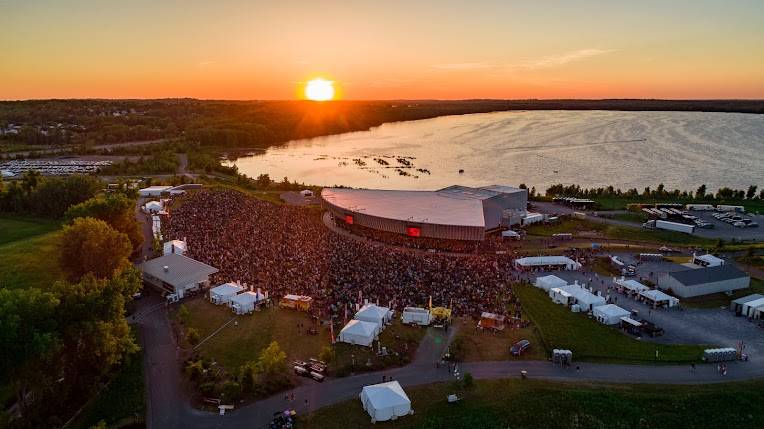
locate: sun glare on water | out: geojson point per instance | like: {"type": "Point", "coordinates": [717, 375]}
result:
{"type": "Point", "coordinates": [319, 90]}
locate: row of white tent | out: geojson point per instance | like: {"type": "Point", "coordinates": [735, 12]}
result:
{"type": "Point", "coordinates": [367, 323]}
{"type": "Point", "coordinates": [237, 297]}
{"type": "Point", "coordinates": [654, 296]}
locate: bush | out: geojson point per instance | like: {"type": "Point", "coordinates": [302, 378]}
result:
{"type": "Point", "coordinates": [231, 390]}
{"type": "Point", "coordinates": [192, 336]}
{"type": "Point", "coordinates": [468, 380]}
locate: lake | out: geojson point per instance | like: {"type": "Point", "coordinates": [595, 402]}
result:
{"type": "Point", "coordinates": [538, 148]}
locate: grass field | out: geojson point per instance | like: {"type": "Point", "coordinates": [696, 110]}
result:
{"type": "Point", "coordinates": [28, 253]}
{"type": "Point", "coordinates": [618, 232]}
{"type": "Point", "coordinates": [482, 345]}
{"type": "Point", "coordinates": [592, 341]}
{"type": "Point", "coordinates": [121, 401]}
{"type": "Point", "coordinates": [717, 300]}
{"type": "Point", "coordinates": [631, 217]}
{"type": "Point", "coordinates": [235, 345]}
{"type": "Point", "coordinates": [520, 404]}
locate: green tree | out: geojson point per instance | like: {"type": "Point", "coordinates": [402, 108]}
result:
{"type": "Point", "coordinates": [192, 336]}
{"type": "Point", "coordinates": [183, 314]}
{"type": "Point", "coordinates": [114, 209]}
{"type": "Point", "coordinates": [272, 360]}
{"type": "Point", "coordinates": [91, 246]}
{"type": "Point", "coordinates": [751, 194]}
{"type": "Point", "coordinates": [327, 354]}
{"type": "Point", "coordinates": [263, 181]}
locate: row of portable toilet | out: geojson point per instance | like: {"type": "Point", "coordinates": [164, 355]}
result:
{"type": "Point", "coordinates": [562, 357]}
{"type": "Point", "coordinates": [720, 355]}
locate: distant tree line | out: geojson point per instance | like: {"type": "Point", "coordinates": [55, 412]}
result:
{"type": "Point", "coordinates": [660, 192]}
{"type": "Point", "coordinates": [46, 196]}
{"type": "Point", "coordinates": [264, 123]}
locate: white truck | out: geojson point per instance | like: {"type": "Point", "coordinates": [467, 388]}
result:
{"type": "Point", "coordinates": [674, 226]}
{"type": "Point", "coordinates": [699, 207]}
{"type": "Point", "coordinates": [416, 316]}
{"type": "Point", "coordinates": [725, 208]}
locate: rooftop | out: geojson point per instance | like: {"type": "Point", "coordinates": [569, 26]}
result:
{"type": "Point", "coordinates": [180, 271]}
{"type": "Point", "coordinates": [707, 275]}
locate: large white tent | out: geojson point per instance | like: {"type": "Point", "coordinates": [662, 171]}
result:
{"type": "Point", "coordinates": [548, 261]}
{"type": "Point", "coordinates": [359, 333]}
{"type": "Point", "coordinates": [152, 207]}
{"type": "Point", "coordinates": [222, 294]}
{"type": "Point", "coordinates": [415, 315]}
{"type": "Point", "coordinates": [631, 285]}
{"type": "Point", "coordinates": [585, 299]}
{"type": "Point", "coordinates": [548, 282]}
{"type": "Point", "coordinates": [374, 314]}
{"type": "Point", "coordinates": [610, 314]}
{"type": "Point", "coordinates": [245, 302]}
{"type": "Point", "coordinates": [385, 401]}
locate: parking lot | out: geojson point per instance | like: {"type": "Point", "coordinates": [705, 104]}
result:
{"type": "Point", "coordinates": [716, 326]}
{"type": "Point", "coordinates": [727, 231]}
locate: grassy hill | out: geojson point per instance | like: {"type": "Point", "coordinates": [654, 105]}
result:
{"type": "Point", "coordinates": [28, 252]}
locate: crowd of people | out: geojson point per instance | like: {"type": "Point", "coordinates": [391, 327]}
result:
{"type": "Point", "coordinates": [286, 249]}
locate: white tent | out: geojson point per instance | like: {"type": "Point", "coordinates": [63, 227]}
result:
{"type": "Point", "coordinates": [547, 261]}
{"type": "Point", "coordinates": [415, 315]}
{"type": "Point", "coordinates": [509, 234]}
{"type": "Point", "coordinates": [548, 282]}
{"type": "Point", "coordinates": [245, 302]}
{"type": "Point", "coordinates": [385, 401]}
{"type": "Point", "coordinates": [152, 207]}
{"type": "Point", "coordinates": [631, 285]}
{"type": "Point", "coordinates": [359, 332]}
{"type": "Point", "coordinates": [374, 314]}
{"type": "Point", "coordinates": [175, 246]}
{"type": "Point", "coordinates": [658, 298]}
{"type": "Point", "coordinates": [222, 294]}
{"type": "Point", "coordinates": [585, 299]}
{"type": "Point", "coordinates": [750, 308]}
{"type": "Point", "coordinates": [610, 314]}
{"type": "Point", "coordinates": [306, 193]}
{"type": "Point", "coordinates": [560, 296]}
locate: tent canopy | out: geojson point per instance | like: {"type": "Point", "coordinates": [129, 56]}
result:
{"type": "Point", "coordinates": [632, 285]}
{"type": "Point", "coordinates": [374, 313]}
{"type": "Point", "coordinates": [359, 332]}
{"type": "Point", "coordinates": [659, 296]}
{"type": "Point", "coordinates": [385, 401]}
{"type": "Point", "coordinates": [538, 261]}
{"type": "Point", "coordinates": [226, 289]}
{"type": "Point", "coordinates": [548, 282]}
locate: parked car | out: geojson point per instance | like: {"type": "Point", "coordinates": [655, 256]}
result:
{"type": "Point", "coordinates": [519, 347]}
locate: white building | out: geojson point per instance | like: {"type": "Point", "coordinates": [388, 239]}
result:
{"type": "Point", "coordinates": [152, 207]}
{"type": "Point", "coordinates": [704, 281]}
{"type": "Point", "coordinates": [385, 401]}
{"type": "Point", "coordinates": [549, 282]}
{"type": "Point", "coordinates": [610, 314]}
{"type": "Point", "coordinates": [630, 285]}
{"type": "Point", "coordinates": [585, 299]}
{"type": "Point", "coordinates": [176, 274]}
{"type": "Point", "coordinates": [753, 308]}
{"type": "Point", "coordinates": [358, 332]}
{"type": "Point", "coordinates": [222, 294]}
{"type": "Point", "coordinates": [153, 191]}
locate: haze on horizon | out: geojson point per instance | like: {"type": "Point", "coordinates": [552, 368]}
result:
{"type": "Point", "coordinates": [235, 49]}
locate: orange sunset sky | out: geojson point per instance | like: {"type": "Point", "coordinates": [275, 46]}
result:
{"type": "Point", "coordinates": [382, 49]}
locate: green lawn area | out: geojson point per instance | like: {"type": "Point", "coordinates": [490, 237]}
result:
{"type": "Point", "coordinates": [717, 300]}
{"type": "Point", "coordinates": [520, 404]}
{"type": "Point", "coordinates": [592, 341]}
{"type": "Point", "coordinates": [483, 345]}
{"type": "Point", "coordinates": [28, 253]}
{"type": "Point", "coordinates": [121, 401]}
{"type": "Point", "coordinates": [596, 229]}
{"type": "Point", "coordinates": [630, 217]}
{"type": "Point", "coordinates": [235, 345]}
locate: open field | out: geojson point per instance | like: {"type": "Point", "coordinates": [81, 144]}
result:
{"type": "Point", "coordinates": [592, 341]}
{"type": "Point", "coordinates": [479, 345]}
{"type": "Point", "coordinates": [121, 401]}
{"type": "Point", "coordinates": [28, 253]}
{"type": "Point", "coordinates": [235, 345]}
{"type": "Point", "coordinates": [539, 404]}
{"type": "Point", "coordinates": [717, 300]}
{"type": "Point", "coordinates": [617, 232]}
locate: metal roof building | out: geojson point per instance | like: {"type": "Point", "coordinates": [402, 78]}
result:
{"type": "Point", "coordinates": [456, 212]}
{"type": "Point", "coordinates": [176, 273]}
{"type": "Point", "coordinates": [704, 281]}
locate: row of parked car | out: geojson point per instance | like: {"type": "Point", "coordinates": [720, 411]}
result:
{"type": "Point", "coordinates": [699, 223]}
{"type": "Point", "coordinates": [736, 219]}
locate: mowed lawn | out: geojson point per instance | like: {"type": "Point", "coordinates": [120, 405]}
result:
{"type": "Point", "coordinates": [28, 254]}
{"type": "Point", "coordinates": [520, 404]}
{"type": "Point", "coordinates": [401, 342]}
{"type": "Point", "coordinates": [592, 341]}
{"type": "Point", "coordinates": [235, 345]}
{"type": "Point", "coordinates": [485, 345]}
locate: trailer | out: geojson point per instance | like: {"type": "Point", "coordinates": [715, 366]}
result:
{"type": "Point", "coordinates": [725, 208]}
{"type": "Point", "coordinates": [699, 207]}
{"type": "Point", "coordinates": [674, 226]}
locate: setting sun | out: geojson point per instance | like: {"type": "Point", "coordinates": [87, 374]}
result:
{"type": "Point", "coordinates": [319, 90]}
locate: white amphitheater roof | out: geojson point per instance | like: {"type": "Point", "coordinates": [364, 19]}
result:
{"type": "Point", "coordinates": [435, 207]}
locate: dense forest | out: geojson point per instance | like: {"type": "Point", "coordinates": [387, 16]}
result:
{"type": "Point", "coordinates": [265, 123]}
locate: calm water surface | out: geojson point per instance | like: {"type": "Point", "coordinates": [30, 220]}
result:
{"type": "Point", "coordinates": [539, 148]}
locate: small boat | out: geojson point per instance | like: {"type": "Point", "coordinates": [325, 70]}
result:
{"type": "Point", "coordinates": [461, 171]}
